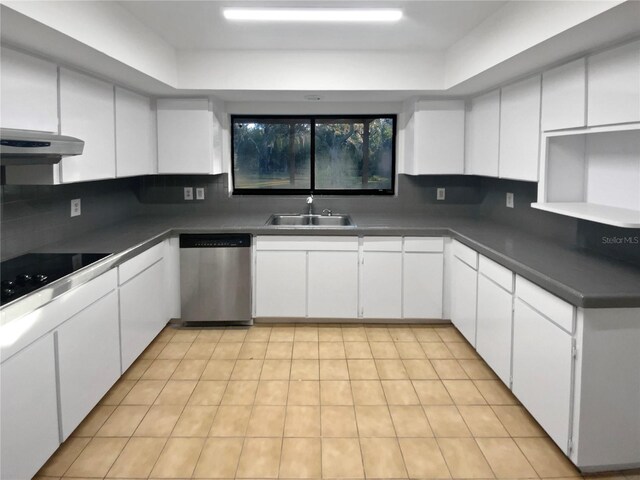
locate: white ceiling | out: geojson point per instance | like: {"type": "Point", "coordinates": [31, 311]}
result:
{"type": "Point", "coordinates": [199, 25]}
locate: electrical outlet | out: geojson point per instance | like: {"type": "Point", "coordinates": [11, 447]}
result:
{"type": "Point", "coordinates": [188, 193]}
{"type": "Point", "coordinates": [200, 193]}
{"type": "Point", "coordinates": [76, 207]}
{"type": "Point", "coordinates": [440, 194]}
{"type": "Point", "coordinates": [509, 200]}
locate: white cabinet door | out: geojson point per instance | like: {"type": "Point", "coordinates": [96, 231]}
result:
{"type": "Point", "coordinates": [564, 96]}
{"type": "Point", "coordinates": [87, 112]}
{"type": "Point", "coordinates": [614, 86]}
{"type": "Point", "coordinates": [29, 92]}
{"type": "Point", "coordinates": [185, 136]}
{"type": "Point", "coordinates": [142, 312]}
{"type": "Point", "coordinates": [463, 299]}
{"type": "Point", "coordinates": [333, 285]}
{"type": "Point", "coordinates": [482, 135]}
{"type": "Point", "coordinates": [281, 284]}
{"type": "Point", "coordinates": [171, 282]}
{"type": "Point", "coordinates": [520, 130]}
{"type": "Point", "coordinates": [88, 359]}
{"type": "Point", "coordinates": [136, 140]}
{"type": "Point", "coordinates": [381, 290]}
{"type": "Point", "coordinates": [438, 138]}
{"type": "Point", "coordinates": [422, 285]}
{"type": "Point", "coordinates": [494, 327]}
{"type": "Point", "coordinates": [29, 412]}
{"type": "Point", "coordinates": [542, 366]}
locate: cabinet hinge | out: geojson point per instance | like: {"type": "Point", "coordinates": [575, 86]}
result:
{"type": "Point", "coordinates": [570, 446]}
{"type": "Point", "coordinates": [574, 349]}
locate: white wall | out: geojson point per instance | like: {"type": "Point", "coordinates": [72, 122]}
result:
{"type": "Point", "coordinates": [518, 39]}
{"type": "Point", "coordinates": [108, 28]}
{"type": "Point", "coordinates": [309, 70]}
{"type": "Point", "coordinates": [513, 29]}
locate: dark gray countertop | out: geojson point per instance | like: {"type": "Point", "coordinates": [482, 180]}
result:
{"type": "Point", "coordinates": [579, 277]}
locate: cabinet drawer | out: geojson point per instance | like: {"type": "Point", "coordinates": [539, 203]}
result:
{"type": "Point", "coordinates": [382, 244]}
{"type": "Point", "coordinates": [307, 243]}
{"type": "Point", "coordinates": [133, 267]}
{"type": "Point", "coordinates": [557, 310]}
{"type": "Point", "coordinates": [423, 244]}
{"type": "Point", "coordinates": [496, 272]}
{"type": "Point", "coordinates": [466, 254]}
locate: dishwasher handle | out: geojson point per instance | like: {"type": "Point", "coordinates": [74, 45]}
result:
{"type": "Point", "coordinates": [215, 240]}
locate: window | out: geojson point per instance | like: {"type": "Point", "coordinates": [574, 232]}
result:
{"type": "Point", "coordinates": [346, 154]}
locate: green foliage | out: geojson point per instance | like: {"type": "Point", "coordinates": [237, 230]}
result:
{"type": "Point", "coordinates": [277, 153]}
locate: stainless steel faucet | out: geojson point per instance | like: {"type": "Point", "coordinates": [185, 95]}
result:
{"type": "Point", "coordinates": [327, 212]}
{"type": "Point", "coordinates": [310, 203]}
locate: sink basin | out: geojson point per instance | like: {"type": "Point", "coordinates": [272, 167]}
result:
{"type": "Point", "coordinates": [304, 220]}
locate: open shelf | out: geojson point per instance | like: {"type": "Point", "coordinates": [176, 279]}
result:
{"type": "Point", "coordinates": [619, 217]}
{"type": "Point", "coordinates": [592, 174]}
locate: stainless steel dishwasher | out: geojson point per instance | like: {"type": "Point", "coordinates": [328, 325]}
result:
{"type": "Point", "coordinates": [215, 279]}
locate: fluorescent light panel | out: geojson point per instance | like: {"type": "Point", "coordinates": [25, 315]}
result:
{"type": "Point", "coordinates": [313, 14]}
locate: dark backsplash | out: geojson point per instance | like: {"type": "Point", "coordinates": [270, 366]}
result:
{"type": "Point", "coordinates": [33, 216]}
{"type": "Point", "coordinates": [164, 193]}
{"type": "Point", "coordinates": [522, 216]}
{"type": "Point", "coordinates": [620, 243]}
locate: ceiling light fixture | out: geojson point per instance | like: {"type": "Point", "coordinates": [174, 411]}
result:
{"type": "Point", "coordinates": [313, 14]}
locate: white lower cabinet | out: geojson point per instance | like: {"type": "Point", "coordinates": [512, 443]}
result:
{"type": "Point", "coordinates": [464, 291]}
{"type": "Point", "coordinates": [381, 291]}
{"type": "Point", "coordinates": [142, 311]}
{"type": "Point", "coordinates": [281, 283]}
{"type": "Point", "coordinates": [29, 413]}
{"type": "Point", "coordinates": [494, 327]}
{"type": "Point", "coordinates": [542, 371]}
{"type": "Point", "coordinates": [423, 277]}
{"type": "Point", "coordinates": [332, 284]}
{"type": "Point", "coordinates": [348, 277]}
{"type": "Point", "coordinates": [88, 359]}
{"type": "Point", "coordinates": [171, 282]}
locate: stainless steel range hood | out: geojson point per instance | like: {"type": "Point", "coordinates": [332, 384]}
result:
{"type": "Point", "coordinates": [27, 147]}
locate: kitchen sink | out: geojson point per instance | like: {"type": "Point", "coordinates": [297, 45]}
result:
{"type": "Point", "coordinates": [305, 220]}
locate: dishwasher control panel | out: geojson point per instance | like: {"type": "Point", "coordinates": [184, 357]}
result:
{"type": "Point", "coordinates": [217, 240]}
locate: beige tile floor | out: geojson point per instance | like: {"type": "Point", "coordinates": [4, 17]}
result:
{"type": "Point", "coordinates": [310, 401]}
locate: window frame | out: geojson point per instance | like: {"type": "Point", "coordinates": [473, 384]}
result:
{"type": "Point", "coordinates": [312, 189]}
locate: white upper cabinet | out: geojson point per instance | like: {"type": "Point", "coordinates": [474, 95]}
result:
{"type": "Point", "coordinates": [435, 140]}
{"type": "Point", "coordinates": [482, 135]}
{"type": "Point", "coordinates": [188, 134]}
{"type": "Point", "coordinates": [29, 92]}
{"type": "Point", "coordinates": [614, 86]}
{"type": "Point", "coordinates": [520, 130]}
{"type": "Point", "coordinates": [136, 140]}
{"type": "Point", "coordinates": [87, 112]}
{"type": "Point", "coordinates": [564, 96]}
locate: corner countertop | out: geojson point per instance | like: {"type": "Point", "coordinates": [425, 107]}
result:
{"type": "Point", "coordinates": [581, 278]}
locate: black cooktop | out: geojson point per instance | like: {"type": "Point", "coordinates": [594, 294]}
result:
{"type": "Point", "coordinates": [27, 273]}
